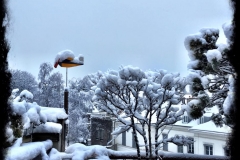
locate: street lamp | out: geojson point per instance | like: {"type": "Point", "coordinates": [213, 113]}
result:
{"type": "Point", "coordinates": [67, 59]}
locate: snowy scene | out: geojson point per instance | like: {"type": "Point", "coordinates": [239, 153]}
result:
{"type": "Point", "coordinates": [75, 105]}
{"type": "Point", "coordinates": [146, 114]}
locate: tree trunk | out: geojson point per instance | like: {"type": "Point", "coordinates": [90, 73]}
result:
{"type": "Point", "coordinates": [156, 140]}
{"type": "Point", "coordinates": [145, 141]}
{"type": "Point", "coordinates": [156, 133]}
{"type": "Point", "coordinates": [149, 134]}
{"type": "Point", "coordinates": [136, 138]}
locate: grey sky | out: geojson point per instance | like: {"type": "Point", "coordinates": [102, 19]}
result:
{"type": "Point", "coordinates": [148, 34]}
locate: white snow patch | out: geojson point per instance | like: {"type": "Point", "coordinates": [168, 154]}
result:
{"type": "Point", "coordinates": [228, 29]}
{"type": "Point", "coordinates": [193, 64]}
{"type": "Point", "coordinates": [213, 54]}
{"type": "Point", "coordinates": [205, 81]}
{"type": "Point", "coordinates": [9, 134]}
{"type": "Point", "coordinates": [27, 94]}
{"type": "Point", "coordinates": [29, 151]}
{"type": "Point", "coordinates": [230, 97]}
{"type": "Point", "coordinates": [62, 55]}
{"type": "Point", "coordinates": [33, 115]}
{"type": "Point", "coordinates": [79, 151]}
{"type": "Point", "coordinates": [222, 46]}
{"type": "Point", "coordinates": [54, 155]}
{"type": "Point", "coordinates": [19, 107]}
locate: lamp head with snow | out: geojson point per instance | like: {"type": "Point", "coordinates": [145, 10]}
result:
{"type": "Point", "coordinates": [67, 59]}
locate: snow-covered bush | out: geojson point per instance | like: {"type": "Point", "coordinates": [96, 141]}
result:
{"type": "Point", "coordinates": [23, 113]}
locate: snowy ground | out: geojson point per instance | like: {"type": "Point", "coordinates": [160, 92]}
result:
{"type": "Point", "coordinates": [78, 151]}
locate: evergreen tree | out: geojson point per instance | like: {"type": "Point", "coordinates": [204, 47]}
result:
{"type": "Point", "coordinates": [212, 76]}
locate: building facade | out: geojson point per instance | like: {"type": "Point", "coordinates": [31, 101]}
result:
{"type": "Point", "coordinates": [208, 138]}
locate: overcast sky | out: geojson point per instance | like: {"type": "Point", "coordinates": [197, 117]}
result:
{"type": "Point", "coordinates": [148, 34]}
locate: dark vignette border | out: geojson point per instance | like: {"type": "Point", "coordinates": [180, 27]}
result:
{"type": "Point", "coordinates": [234, 59]}
{"type": "Point", "coordinates": [5, 77]}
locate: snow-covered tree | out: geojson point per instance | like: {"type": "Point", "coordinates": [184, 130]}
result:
{"type": "Point", "coordinates": [212, 75]}
{"type": "Point", "coordinates": [23, 80]}
{"type": "Point", "coordinates": [50, 86]}
{"type": "Point", "coordinates": [19, 116]}
{"type": "Point", "coordinates": [140, 100]}
{"type": "Point", "coordinates": [56, 87]}
{"type": "Point", "coordinates": [80, 95]}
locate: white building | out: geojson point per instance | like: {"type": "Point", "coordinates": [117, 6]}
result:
{"type": "Point", "coordinates": [208, 139]}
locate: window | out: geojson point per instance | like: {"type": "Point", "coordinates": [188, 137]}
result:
{"type": "Point", "coordinates": [185, 119]}
{"type": "Point", "coordinates": [204, 119]}
{"type": "Point", "coordinates": [201, 120]}
{"type": "Point", "coordinates": [208, 149]}
{"type": "Point", "coordinates": [180, 148]}
{"type": "Point", "coordinates": [124, 138]}
{"type": "Point", "coordinates": [100, 133]}
{"type": "Point", "coordinates": [165, 145]}
{"type": "Point", "coordinates": [190, 147]}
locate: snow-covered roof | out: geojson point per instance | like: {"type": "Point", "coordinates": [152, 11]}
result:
{"type": "Point", "coordinates": [48, 127]}
{"type": "Point", "coordinates": [51, 114]}
{"type": "Point", "coordinates": [210, 127]}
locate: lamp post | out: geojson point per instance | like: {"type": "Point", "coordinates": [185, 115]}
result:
{"type": "Point", "coordinates": [66, 59]}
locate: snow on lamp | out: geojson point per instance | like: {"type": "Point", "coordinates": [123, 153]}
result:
{"type": "Point", "coordinates": [67, 59]}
